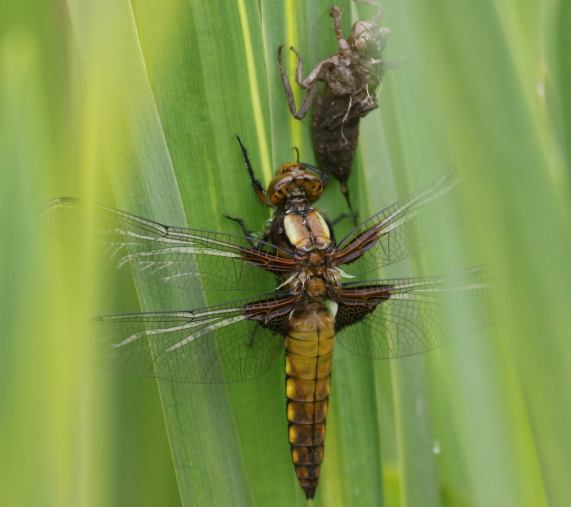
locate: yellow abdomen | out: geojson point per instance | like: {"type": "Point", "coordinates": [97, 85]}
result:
{"type": "Point", "coordinates": [309, 354]}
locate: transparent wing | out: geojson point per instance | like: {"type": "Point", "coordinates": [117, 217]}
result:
{"type": "Point", "coordinates": [224, 343]}
{"type": "Point", "coordinates": [392, 234]}
{"type": "Point", "coordinates": [398, 318]}
{"type": "Point", "coordinates": [176, 256]}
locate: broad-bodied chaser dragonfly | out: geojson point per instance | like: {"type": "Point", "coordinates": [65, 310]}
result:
{"type": "Point", "coordinates": [316, 303]}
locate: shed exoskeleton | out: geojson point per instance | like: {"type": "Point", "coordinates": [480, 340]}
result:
{"type": "Point", "coordinates": [350, 80]}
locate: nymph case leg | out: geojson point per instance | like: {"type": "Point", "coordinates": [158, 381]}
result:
{"type": "Point", "coordinates": [309, 97]}
{"type": "Point", "coordinates": [309, 83]}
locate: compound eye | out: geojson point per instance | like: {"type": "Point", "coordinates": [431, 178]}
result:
{"type": "Point", "coordinates": [279, 195]}
{"type": "Point", "coordinates": [279, 188]}
{"type": "Point", "coordinates": [313, 189]}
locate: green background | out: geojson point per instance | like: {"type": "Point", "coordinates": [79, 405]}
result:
{"type": "Point", "coordinates": [136, 105]}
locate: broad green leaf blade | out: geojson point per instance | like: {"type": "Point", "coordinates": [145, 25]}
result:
{"type": "Point", "coordinates": [481, 119]}
{"type": "Point", "coordinates": [199, 421]}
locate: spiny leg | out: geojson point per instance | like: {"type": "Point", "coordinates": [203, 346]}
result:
{"type": "Point", "coordinates": [307, 103]}
{"type": "Point", "coordinates": [312, 88]}
{"type": "Point", "coordinates": [339, 219]}
{"type": "Point", "coordinates": [315, 74]}
{"type": "Point", "coordinates": [309, 83]}
{"type": "Point", "coordinates": [248, 234]}
{"type": "Point", "coordinates": [258, 188]}
{"type": "Point", "coordinates": [345, 192]}
{"type": "Point", "coordinates": [335, 13]}
{"type": "Point", "coordinates": [299, 69]}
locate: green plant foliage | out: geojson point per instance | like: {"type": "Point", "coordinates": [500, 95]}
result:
{"type": "Point", "coordinates": [136, 104]}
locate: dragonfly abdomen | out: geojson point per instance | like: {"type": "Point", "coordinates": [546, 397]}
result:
{"type": "Point", "coordinates": [309, 353]}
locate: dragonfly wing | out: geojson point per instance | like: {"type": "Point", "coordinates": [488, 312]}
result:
{"type": "Point", "coordinates": [225, 343]}
{"type": "Point", "coordinates": [398, 318]}
{"type": "Point", "coordinates": [392, 234]}
{"type": "Point", "coordinates": [175, 256]}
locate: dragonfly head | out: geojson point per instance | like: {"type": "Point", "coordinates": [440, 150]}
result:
{"type": "Point", "coordinates": [296, 180]}
{"type": "Point", "coordinates": [368, 38]}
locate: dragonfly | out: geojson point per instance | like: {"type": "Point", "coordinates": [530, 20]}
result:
{"type": "Point", "coordinates": [340, 90]}
{"type": "Point", "coordinates": [323, 295]}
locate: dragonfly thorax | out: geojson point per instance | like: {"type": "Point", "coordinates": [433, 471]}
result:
{"type": "Point", "coordinates": [307, 231]}
{"type": "Point", "coordinates": [317, 276]}
{"type": "Point", "coordinates": [312, 284]}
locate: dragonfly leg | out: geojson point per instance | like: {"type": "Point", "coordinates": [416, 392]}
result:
{"type": "Point", "coordinates": [354, 215]}
{"type": "Point", "coordinates": [258, 188]}
{"type": "Point", "coordinates": [250, 236]}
